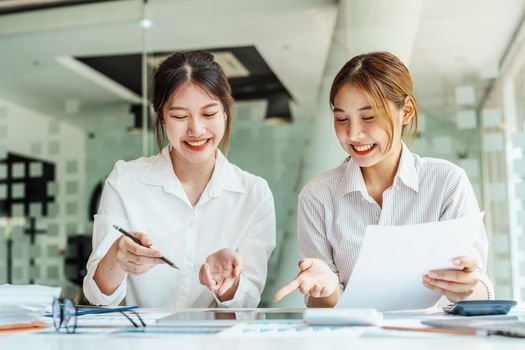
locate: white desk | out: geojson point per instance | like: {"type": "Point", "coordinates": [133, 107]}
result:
{"type": "Point", "coordinates": [377, 340]}
{"type": "Point", "coordinates": [210, 342]}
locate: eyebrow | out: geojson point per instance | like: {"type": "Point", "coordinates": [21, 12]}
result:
{"type": "Point", "coordinates": [364, 108]}
{"type": "Point", "coordinates": [175, 108]}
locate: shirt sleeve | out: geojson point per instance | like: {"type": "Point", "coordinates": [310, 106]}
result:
{"type": "Point", "coordinates": [111, 211]}
{"type": "Point", "coordinates": [255, 249]}
{"type": "Point", "coordinates": [313, 222]}
{"type": "Point", "coordinates": [460, 201]}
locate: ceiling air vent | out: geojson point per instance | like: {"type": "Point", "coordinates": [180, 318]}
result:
{"type": "Point", "coordinates": [233, 68]}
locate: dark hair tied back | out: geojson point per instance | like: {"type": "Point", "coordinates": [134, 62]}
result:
{"type": "Point", "coordinates": [195, 67]}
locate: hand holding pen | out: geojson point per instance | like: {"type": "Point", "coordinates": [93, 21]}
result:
{"type": "Point", "coordinates": [135, 255]}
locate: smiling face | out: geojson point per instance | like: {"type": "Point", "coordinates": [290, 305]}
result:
{"type": "Point", "coordinates": [359, 131]}
{"type": "Point", "coordinates": [194, 123]}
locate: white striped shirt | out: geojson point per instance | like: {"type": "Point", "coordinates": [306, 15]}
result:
{"type": "Point", "coordinates": [335, 208]}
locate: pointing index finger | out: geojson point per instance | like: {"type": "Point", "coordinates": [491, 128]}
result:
{"type": "Point", "coordinates": [284, 291]}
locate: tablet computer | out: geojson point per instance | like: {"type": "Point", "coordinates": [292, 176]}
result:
{"type": "Point", "coordinates": [228, 317]}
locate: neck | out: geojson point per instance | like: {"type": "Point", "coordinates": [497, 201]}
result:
{"type": "Point", "coordinates": [192, 172]}
{"type": "Point", "coordinates": [382, 174]}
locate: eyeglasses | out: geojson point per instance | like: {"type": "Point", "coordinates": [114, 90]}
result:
{"type": "Point", "coordinates": [65, 314]}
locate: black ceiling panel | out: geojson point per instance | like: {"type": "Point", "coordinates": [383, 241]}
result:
{"type": "Point", "coordinates": [261, 82]}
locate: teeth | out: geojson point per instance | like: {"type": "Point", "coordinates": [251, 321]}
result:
{"type": "Point", "coordinates": [198, 143]}
{"type": "Point", "coordinates": [363, 148]}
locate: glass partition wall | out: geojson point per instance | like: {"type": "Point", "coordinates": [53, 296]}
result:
{"type": "Point", "coordinates": [72, 99]}
{"type": "Point", "coordinates": [511, 92]}
{"type": "Point", "coordinates": [74, 93]}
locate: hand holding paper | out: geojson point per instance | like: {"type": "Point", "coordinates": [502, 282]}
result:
{"type": "Point", "coordinates": [404, 254]}
{"type": "Point", "coordinates": [456, 285]}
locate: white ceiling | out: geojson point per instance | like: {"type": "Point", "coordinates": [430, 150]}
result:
{"type": "Point", "coordinates": [293, 36]}
{"type": "Point", "coordinates": [456, 41]}
{"type": "Point", "coordinates": [445, 42]}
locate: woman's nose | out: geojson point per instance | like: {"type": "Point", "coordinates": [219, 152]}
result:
{"type": "Point", "coordinates": [355, 132]}
{"type": "Point", "coordinates": [195, 127]}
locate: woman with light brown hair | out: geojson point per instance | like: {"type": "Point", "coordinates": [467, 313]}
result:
{"type": "Point", "coordinates": [380, 183]}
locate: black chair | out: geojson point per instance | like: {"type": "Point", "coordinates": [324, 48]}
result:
{"type": "Point", "coordinates": [76, 256]}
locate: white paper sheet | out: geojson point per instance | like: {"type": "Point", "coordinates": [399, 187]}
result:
{"type": "Point", "coordinates": [393, 259]}
{"type": "Point", "coordinates": [291, 329]}
{"type": "Point", "coordinates": [33, 296]}
{"type": "Point", "coordinates": [342, 317]}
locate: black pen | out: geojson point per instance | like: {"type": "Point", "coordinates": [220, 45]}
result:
{"type": "Point", "coordinates": [136, 240]}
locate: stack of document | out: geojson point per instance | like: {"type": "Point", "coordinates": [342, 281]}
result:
{"type": "Point", "coordinates": [21, 306]}
{"type": "Point", "coordinates": [12, 317]}
{"type": "Point", "coordinates": [33, 296]}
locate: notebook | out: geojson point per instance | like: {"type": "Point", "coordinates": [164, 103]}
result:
{"type": "Point", "coordinates": [510, 326]}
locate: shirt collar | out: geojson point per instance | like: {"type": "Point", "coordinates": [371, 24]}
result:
{"type": "Point", "coordinates": [407, 170]}
{"type": "Point", "coordinates": [352, 180]}
{"type": "Point", "coordinates": [224, 177]}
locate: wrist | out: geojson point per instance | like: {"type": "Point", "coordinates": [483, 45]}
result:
{"type": "Point", "coordinates": [230, 293]}
{"type": "Point", "coordinates": [109, 274]}
{"type": "Point", "coordinates": [480, 292]}
{"type": "Point", "coordinates": [328, 301]}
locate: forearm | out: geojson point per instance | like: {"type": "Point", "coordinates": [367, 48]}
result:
{"type": "Point", "coordinates": [329, 301]}
{"type": "Point", "coordinates": [109, 275]}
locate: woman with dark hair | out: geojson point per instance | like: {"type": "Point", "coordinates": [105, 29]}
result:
{"type": "Point", "coordinates": [381, 183]}
{"type": "Point", "coordinates": [215, 221]}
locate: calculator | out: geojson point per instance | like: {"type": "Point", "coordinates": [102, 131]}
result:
{"type": "Point", "coordinates": [480, 307]}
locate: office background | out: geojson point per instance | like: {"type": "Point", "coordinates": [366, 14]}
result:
{"type": "Point", "coordinates": [74, 85]}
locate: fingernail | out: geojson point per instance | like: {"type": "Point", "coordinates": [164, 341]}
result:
{"type": "Point", "coordinates": [432, 275]}
{"type": "Point", "coordinates": [457, 262]}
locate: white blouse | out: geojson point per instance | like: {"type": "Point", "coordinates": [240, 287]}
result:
{"type": "Point", "coordinates": [235, 211]}
{"type": "Point", "coordinates": [335, 208]}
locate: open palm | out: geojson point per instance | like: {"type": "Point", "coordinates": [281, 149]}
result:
{"type": "Point", "coordinates": [221, 270]}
